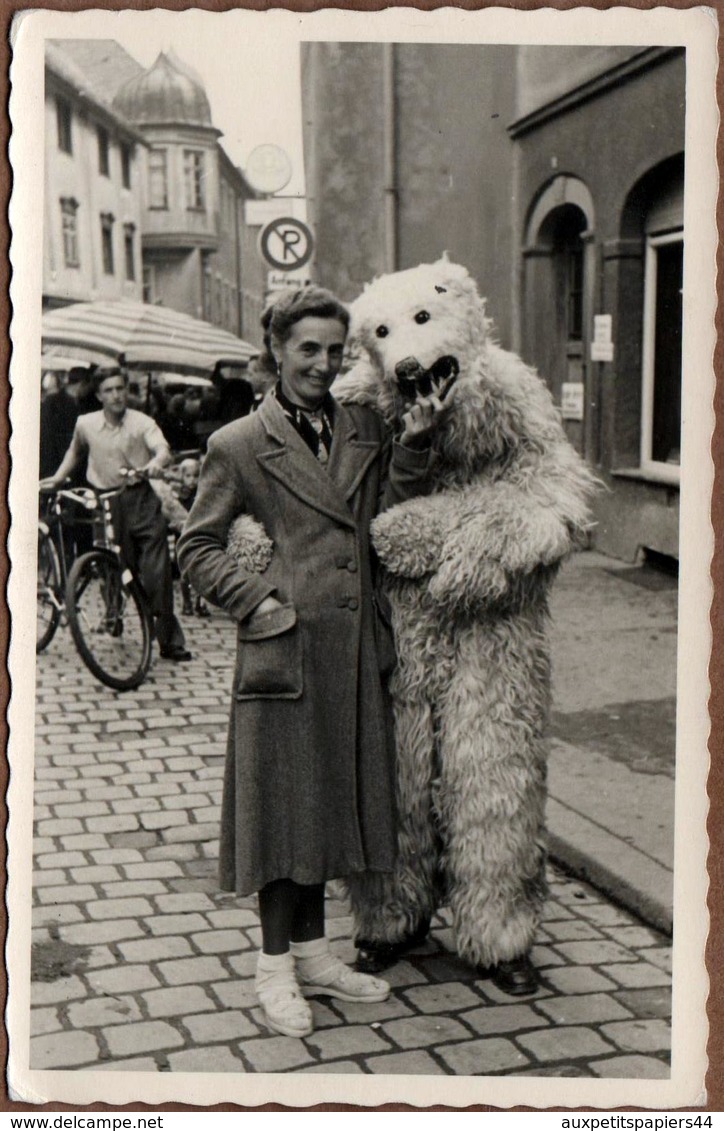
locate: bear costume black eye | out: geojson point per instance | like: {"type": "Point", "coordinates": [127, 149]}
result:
{"type": "Point", "coordinates": [382, 331]}
{"type": "Point", "coordinates": [422, 316]}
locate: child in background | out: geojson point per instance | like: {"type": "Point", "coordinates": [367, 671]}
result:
{"type": "Point", "coordinates": [185, 491]}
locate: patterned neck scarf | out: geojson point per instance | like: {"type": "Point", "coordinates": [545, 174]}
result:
{"type": "Point", "coordinates": [315, 427]}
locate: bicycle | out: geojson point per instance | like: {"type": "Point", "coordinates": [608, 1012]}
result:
{"type": "Point", "coordinates": [99, 596]}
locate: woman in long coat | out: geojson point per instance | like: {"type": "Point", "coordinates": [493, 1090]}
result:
{"type": "Point", "coordinates": [309, 785]}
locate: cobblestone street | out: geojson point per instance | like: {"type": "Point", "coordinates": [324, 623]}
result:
{"type": "Point", "coordinates": [140, 963]}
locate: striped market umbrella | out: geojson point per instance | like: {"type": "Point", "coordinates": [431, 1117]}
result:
{"type": "Point", "coordinates": [143, 336]}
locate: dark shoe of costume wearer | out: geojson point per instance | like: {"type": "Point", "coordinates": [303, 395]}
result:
{"type": "Point", "coordinates": [187, 609]}
{"type": "Point", "coordinates": [177, 653]}
{"type": "Point", "coordinates": [201, 609]}
{"type": "Point", "coordinates": [516, 977]}
{"type": "Point", "coordinates": [375, 956]}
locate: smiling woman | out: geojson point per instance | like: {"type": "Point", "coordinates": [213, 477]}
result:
{"type": "Point", "coordinates": [309, 786]}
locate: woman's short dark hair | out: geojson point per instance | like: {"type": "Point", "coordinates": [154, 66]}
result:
{"type": "Point", "coordinates": [290, 307]}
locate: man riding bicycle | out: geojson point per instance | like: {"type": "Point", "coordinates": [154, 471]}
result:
{"type": "Point", "coordinates": [117, 439]}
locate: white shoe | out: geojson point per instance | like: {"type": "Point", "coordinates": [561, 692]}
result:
{"type": "Point", "coordinates": [340, 981]}
{"type": "Point", "coordinates": [285, 1010]}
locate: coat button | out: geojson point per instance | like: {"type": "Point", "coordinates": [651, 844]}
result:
{"type": "Point", "coordinates": [353, 603]}
{"type": "Point", "coordinates": [341, 561]}
{"type": "Point", "coordinates": [352, 565]}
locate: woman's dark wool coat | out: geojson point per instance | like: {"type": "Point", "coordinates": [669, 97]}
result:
{"type": "Point", "coordinates": [309, 786]}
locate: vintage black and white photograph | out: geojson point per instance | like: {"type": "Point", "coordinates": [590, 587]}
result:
{"type": "Point", "coordinates": [362, 378]}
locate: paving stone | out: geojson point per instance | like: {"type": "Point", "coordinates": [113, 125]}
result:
{"type": "Point", "coordinates": [637, 976]}
{"type": "Point", "coordinates": [371, 1013]}
{"type": "Point", "coordinates": [483, 1057]}
{"type": "Point", "coordinates": [175, 924]}
{"type": "Point", "coordinates": [631, 1067]}
{"type": "Point", "coordinates": [82, 809]}
{"type": "Point", "coordinates": [220, 942]}
{"type": "Point", "coordinates": [115, 824]}
{"type": "Point", "coordinates": [48, 878]}
{"type": "Point", "coordinates": [118, 908]}
{"type": "Point", "coordinates": [634, 937]}
{"type": "Point", "coordinates": [583, 1009]}
{"type": "Point", "coordinates": [185, 971]}
{"type": "Point", "coordinates": [157, 870]}
{"type": "Point", "coordinates": [215, 1059]}
{"type": "Point", "coordinates": [659, 956]}
{"type": "Point", "coordinates": [274, 1054]}
{"type": "Point", "coordinates": [177, 1001]}
{"type": "Point", "coordinates": [194, 833]}
{"type": "Point", "coordinates": [572, 930]}
{"type": "Point", "coordinates": [44, 1021]}
{"type": "Point", "coordinates": [578, 980]}
{"type": "Point", "coordinates": [224, 1025]}
{"type": "Point", "coordinates": [339, 1067]}
{"type": "Point", "coordinates": [595, 953]}
{"type": "Point", "coordinates": [117, 856]}
{"type": "Point", "coordinates": [88, 934]}
{"type": "Point", "coordinates": [419, 1032]}
{"type": "Point", "coordinates": [94, 874]}
{"type": "Point", "coordinates": [655, 1002]}
{"type": "Point", "coordinates": [58, 797]}
{"type": "Point", "coordinates": [158, 789]}
{"type": "Point", "coordinates": [172, 852]}
{"type": "Point", "coordinates": [495, 1019]}
{"type": "Point", "coordinates": [54, 827]}
{"type": "Point", "coordinates": [83, 842]}
{"type": "Point", "coordinates": [187, 901]}
{"type": "Point", "coordinates": [645, 1035]}
{"type": "Point", "coordinates": [62, 1050]}
{"type": "Point", "coordinates": [143, 1037]}
{"type": "Point", "coordinates": [56, 913]}
{"type": "Point", "coordinates": [417, 1063]}
{"type": "Point", "coordinates": [153, 950]}
{"type": "Point", "coordinates": [444, 996]}
{"type": "Point", "coordinates": [123, 979]}
{"type": "Point", "coordinates": [563, 1043]}
{"type": "Point", "coordinates": [121, 889]}
{"type": "Point", "coordinates": [67, 893]}
{"type": "Point", "coordinates": [163, 820]}
{"type": "Point", "coordinates": [352, 1040]}
{"type": "Point", "coordinates": [243, 964]}
{"type": "Point", "coordinates": [97, 1012]}
{"type": "Point", "coordinates": [400, 975]}
{"type": "Point", "coordinates": [543, 957]}
{"type": "Point", "coordinates": [62, 989]}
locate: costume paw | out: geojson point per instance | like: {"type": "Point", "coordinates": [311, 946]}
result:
{"type": "Point", "coordinates": [409, 537]}
{"type": "Point", "coordinates": [249, 544]}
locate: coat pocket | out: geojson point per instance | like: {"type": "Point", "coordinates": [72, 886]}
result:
{"type": "Point", "coordinates": [269, 656]}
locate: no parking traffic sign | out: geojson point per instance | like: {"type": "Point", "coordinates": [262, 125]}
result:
{"type": "Point", "coordinates": [286, 243]}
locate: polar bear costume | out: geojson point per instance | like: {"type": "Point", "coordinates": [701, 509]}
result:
{"type": "Point", "coordinates": [467, 572]}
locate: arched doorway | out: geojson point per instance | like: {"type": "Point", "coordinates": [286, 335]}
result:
{"type": "Point", "coordinates": [559, 277]}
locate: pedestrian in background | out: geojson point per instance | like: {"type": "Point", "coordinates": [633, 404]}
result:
{"type": "Point", "coordinates": [309, 785]}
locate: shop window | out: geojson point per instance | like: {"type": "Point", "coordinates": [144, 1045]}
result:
{"type": "Point", "coordinates": [126, 166]}
{"type": "Point", "coordinates": [663, 309]}
{"type": "Point", "coordinates": [158, 179]}
{"type": "Point", "coordinates": [69, 222]}
{"type": "Point", "coordinates": [107, 220]}
{"type": "Point", "coordinates": [104, 163]}
{"type": "Point", "coordinates": [129, 250]}
{"type": "Point", "coordinates": [194, 177]}
{"type": "Point", "coordinates": [65, 125]}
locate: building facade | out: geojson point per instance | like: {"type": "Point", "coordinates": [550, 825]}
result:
{"type": "Point", "coordinates": [555, 175]}
{"type": "Point", "coordinates": [92, 199]}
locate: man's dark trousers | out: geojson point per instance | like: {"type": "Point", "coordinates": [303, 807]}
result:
{"type": "Point", "coordinates": [142, 533]}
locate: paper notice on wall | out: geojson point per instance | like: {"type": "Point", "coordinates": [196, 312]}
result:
{"type": "Point", "coordinates": [572, 400]}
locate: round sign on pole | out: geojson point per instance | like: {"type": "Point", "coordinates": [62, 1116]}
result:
{"type": "Point", "coordinates": [268, 168]}
{"type": "Point", "coordinates": [286, 243]}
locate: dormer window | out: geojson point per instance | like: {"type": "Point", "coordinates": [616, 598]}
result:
{"type": "Point", "coordinates": [194, 177]}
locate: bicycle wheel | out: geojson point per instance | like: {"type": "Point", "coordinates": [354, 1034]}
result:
{"type": "Point", "coordinates": [48, 585]}
{"type": "Point", "coordinates": [109, 619]}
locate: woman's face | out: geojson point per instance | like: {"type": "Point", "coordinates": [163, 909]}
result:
{"type": "Point", "coordinates": [310, 359]}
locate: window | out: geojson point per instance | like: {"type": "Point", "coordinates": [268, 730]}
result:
{"type": "Point", "coordinates": [107, 221]}
{"type": "Point", "coordinates": [126, 166]}
{"type": "Point", "coordinates": [158, 179]}
{"type": "Point", "coordinates": [129, 250]}
{"type": "Point", "coordinates": [149, 283]}
{"type": "Point", "coordinates": [69, 223]}
{"type": "Point", "coordinates": [65, 125]}
{"type": "Point", "coordinates": [194, 179]}
{"type": "Point", "coordinates": [104, 166]}
{"type": "Point", "coordinates": [663, 310]}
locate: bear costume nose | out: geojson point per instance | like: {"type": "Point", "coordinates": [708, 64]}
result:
{"type": "Point", "coordinates": [408, 368]}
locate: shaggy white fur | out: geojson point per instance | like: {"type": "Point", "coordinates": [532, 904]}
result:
{"type": "Point", "coordinates": [468, 570]}
{"type": "Point", "coordinates": [249, 544]}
